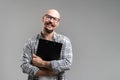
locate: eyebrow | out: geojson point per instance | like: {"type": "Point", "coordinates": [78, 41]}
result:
{"type": "Point", "coordinates": [52, 16]}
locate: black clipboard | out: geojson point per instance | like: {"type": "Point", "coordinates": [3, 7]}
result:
{"type": "Point", "coordinates": [49, 50]}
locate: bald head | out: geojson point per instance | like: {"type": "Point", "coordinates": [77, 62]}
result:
{"type": "Point", "coordinates": [54, 13]}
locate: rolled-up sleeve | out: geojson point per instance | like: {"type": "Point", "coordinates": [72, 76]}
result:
{"type": "Point", "coordinates": [26, 65]}
{"type": "Point", "coordinates": [66, 59]}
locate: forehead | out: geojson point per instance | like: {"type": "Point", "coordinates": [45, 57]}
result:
{"type": "Point", "coordinates": [53, 13]}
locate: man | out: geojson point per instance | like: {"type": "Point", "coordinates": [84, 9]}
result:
{"type": "Point", "coordinates": [54, 69]}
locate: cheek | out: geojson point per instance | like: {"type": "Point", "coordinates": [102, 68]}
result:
{"type": "Point", "coordinates": [44, 20]}
{"type": "Point", "coordinates": [57, 24]}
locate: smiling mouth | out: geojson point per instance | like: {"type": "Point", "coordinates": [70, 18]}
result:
{"type": "Point", "coordinates": [50, 24]}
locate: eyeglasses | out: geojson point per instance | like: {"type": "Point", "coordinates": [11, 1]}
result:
{"type": "Point", "coordinates": [51, 17]}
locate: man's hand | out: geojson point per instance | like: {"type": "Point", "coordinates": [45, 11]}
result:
{"type": "Point", "coordinates": [37, 61]}
{"type": "Point", "coordinates": [45, 69]}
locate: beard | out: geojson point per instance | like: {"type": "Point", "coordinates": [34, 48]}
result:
{"type": "Point", "coordinates": [47, 30]}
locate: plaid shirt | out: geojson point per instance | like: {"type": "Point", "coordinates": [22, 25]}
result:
{"type": "Point", "coordinates": [59, 66]}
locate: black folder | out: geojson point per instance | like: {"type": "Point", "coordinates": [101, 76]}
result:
{"type": "Point", "coordinates": [49, 50]}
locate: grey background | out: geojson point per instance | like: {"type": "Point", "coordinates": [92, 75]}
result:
{"type": "Point", "coordinates": [92, 25]}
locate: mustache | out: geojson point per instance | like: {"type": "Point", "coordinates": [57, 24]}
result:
{"type": "Point", "coordinates": [49, 23]}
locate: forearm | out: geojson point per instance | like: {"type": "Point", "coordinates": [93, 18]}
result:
{"type": "Point", "coordinates": [47, 64]}
{"type": "Point", "coordinates": [44, 72]}
{"type": "Point", "coordinates": [60, 65]}
{"type": "Point", "coordinates": [29, 69]}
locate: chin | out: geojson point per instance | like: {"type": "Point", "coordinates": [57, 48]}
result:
{"type": "Point", "coordinates": [49, 30]}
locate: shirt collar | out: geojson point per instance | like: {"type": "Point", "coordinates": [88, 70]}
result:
{"type": "Point", "coordinates": [39, 36]}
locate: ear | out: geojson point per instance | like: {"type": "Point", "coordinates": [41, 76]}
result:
{"type": "Point", "coordinates": [43, 18]}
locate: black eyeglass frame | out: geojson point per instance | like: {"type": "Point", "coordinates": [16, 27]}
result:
{"type": "Point", "coordinates": [51, 17]}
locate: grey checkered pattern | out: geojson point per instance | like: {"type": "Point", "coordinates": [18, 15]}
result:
{"type": "Point", "coordinates": [59, 66]}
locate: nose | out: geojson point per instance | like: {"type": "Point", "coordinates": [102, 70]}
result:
{"type": "Point", "coordinates": [51, 19]}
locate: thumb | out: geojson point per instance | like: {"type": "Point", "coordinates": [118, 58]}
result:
{"type": "Point", "coordinates": [34, 56]}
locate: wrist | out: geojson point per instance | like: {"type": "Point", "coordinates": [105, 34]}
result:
{"type": "Point", "coordinates": [46, 64]}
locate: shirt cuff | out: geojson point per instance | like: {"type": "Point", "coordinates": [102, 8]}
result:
{"type": "Point", "coordinates": [55, 67]}
{"type": "Point", "coordinates": [36, 70]}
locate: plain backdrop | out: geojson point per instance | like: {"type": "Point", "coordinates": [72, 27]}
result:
{"type": "Point", "coordinates": [93, 27]}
